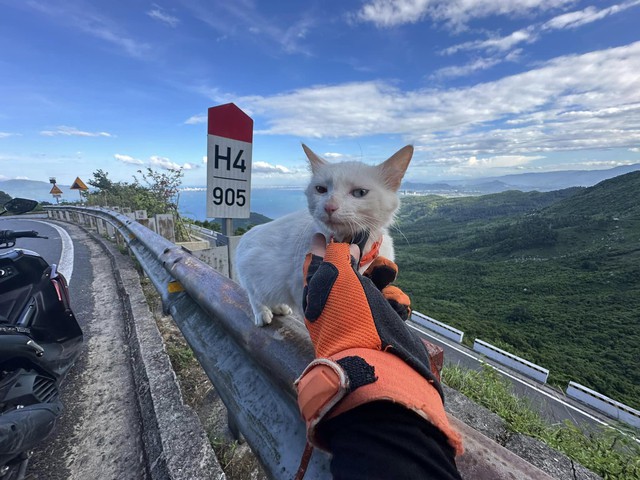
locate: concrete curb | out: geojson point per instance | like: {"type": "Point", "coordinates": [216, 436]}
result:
{"type": "Point", "coordinates": [175, 442]}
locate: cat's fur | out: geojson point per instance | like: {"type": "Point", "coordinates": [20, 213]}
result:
{"type": "Point", "coordinates": [269, 257]}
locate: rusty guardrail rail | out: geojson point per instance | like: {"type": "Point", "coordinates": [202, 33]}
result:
{"type": "Point", "coordinates": [253, 369]}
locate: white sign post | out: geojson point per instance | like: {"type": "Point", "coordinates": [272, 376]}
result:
{"type": "Point", "coordinates": [229, 150]}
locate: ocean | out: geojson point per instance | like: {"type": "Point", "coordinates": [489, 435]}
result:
{"type": "Point", "coordinates": [272, 202]}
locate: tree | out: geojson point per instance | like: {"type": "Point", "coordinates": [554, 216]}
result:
{"type": "Point", "coordinates": [156, 192]}
{"type": "Point", "coordinates": [164, 188]}
{"type": "Point", "coordinates": [101, 180]}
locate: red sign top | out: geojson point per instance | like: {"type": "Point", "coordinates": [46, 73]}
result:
{"type": "Point", "coordinates": [230, 122]}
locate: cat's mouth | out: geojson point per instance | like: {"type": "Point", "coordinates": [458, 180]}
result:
{"type": "Point", "coordinates": [343, 231]}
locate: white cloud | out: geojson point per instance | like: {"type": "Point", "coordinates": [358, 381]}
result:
{"type": "Point", "coordinates": [159, 14]}
{"type": "Point", "coordinates": [8, 134]}
{"type": "Point", "coordinates": [457, 13]}
{"type": "Point", "coordinates": [501, 44]}
{"type": "Point", "coordinates": [268, 168]}
{"type": "Point", "coordinates": [66, 131]}
{"type": "Point", "coordinates": [464, 70]}
{"type": "Point", "coordinates": [128, 159]}
{"type": "Point", "coordinates": [502, 161]}
{"type": "Point", "coordinates": [588, 15]}
{"type": "Point", "coordinates": [332, 155]}
{"type": "Point", "coordinates": [167, 164]}
{"type": "Point", "coordinates": [92, 22]}
{"type": "Point", "coordinates": [231, 19]}
{"type": "Point", "coordinates": [635, 149]}
{"type": "Point", "coordinates": [533, 32]}
{"type": "Point", "coordinates": [196, 119]}
{"type": "Point", "coordinates": [569, 103]}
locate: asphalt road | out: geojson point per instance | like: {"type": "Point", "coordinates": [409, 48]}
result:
{"type": "Point", "coordinates": [98, 434]}
{"type": "Point", "coordinates": [550, 402]}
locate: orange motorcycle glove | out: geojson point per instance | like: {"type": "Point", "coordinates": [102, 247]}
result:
{"type": "Point", "coordinates": [364, 351]}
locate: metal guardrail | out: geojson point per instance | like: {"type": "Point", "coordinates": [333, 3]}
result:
{"type": "Point", "coordinates": [253, 369]}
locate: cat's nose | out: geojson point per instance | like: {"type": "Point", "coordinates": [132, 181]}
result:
{"type": "Point", "coordinates": [330, 208]}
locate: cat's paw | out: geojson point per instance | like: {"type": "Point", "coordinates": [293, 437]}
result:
{"type": "Point", "coordinates": [263, 317]}
{"type": "Point", "coordinates": [282, 309]}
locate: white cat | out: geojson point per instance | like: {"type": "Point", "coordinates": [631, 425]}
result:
{"type": "Point", "coordinates": [344, 199]}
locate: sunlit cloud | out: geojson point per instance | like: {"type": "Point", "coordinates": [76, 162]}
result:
{"type": "Point", "coordinates": [128, 159]}
{"type": "Point", "coordinates": [588, 15]}
{"type": "Point", "coordinates": [268, 168]}
{"type": "Point", "coordinates": [533, 32]}
{"type": "Point", "coordinates": [167, 164]}
{"type": "Point", "coordinates": [572, 102]}
{"type": "Point", "coordinates": [456, 13]}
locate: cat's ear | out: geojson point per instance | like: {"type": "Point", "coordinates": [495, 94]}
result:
{"type": "Point", "coordinates": [392, 170]}
{"type": "Point", "coordinates": [314, 160]}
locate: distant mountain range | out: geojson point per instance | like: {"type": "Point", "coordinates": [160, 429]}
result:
{"type": "Point", "coordinates": [542, 182]}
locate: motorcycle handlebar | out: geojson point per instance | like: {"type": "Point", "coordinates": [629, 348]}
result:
{"type": "Point", "coordinates": [8, 236]}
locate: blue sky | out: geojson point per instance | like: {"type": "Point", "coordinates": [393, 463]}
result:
{"type": "Point", "coordinates": [479, 87]}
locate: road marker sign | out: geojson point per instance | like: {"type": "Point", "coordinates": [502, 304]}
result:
{"type": "Point", "coordinates": [78, 185]}
{"type": "Point", "coordinates": [229, 152]}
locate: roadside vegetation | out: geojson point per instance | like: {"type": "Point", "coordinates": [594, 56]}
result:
{"type": "Point", "coordinates": [609, 453]}
{"type": "Point", "coordinates": [153, 191]}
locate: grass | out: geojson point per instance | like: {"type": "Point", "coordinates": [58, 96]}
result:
{"type": "Point", "coordinates": [609, 453]}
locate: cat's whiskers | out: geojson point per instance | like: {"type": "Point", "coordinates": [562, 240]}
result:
{"type": "Point", "coordinates": [396, 227]}
{"type": "Point", "coordinates": [357, 224]}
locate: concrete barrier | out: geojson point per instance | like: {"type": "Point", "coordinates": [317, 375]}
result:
{"type": "Point", "coordinates": [604, 404]}
{"type": "Point", "coordinates": [512, 361]}
{"type": "Point", "coordinates": [438, 327]}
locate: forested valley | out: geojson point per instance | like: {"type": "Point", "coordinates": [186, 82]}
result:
{"type": "Point", "coordinates": [553, 277]}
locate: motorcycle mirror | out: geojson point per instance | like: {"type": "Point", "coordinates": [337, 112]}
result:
{"type": "Point", "coordinates": [16, 206]}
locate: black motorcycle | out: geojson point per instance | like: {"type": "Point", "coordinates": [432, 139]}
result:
{"type": "Point", "coordinates": [40, 340]}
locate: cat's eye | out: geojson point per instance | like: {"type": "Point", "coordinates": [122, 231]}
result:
{"type": "Point", "coordinates": [321, 189]}
{"type": "Point", "coordinates": [359, 192]}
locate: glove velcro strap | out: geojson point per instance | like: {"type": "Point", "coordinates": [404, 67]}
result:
{"type": "Point", "coordinates": [398, 382]}
{"type": "Point", "coordinates": [320, 387]}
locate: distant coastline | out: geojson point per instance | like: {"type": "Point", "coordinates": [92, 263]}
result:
{"type": "Point", "coordinates": [273, 202]}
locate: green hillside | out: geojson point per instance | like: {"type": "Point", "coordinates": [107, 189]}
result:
{"type": "Point", "coordinates": [553, 277]}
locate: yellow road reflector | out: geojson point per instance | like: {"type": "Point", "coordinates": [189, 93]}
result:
{"type": "Point", "coordinates": [175, 287]}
